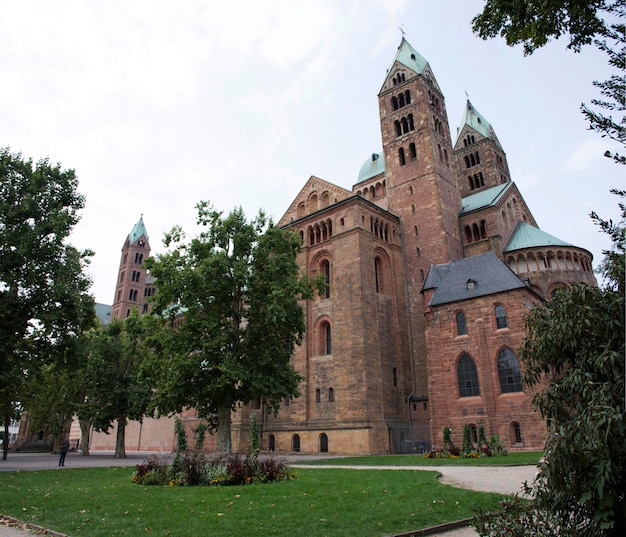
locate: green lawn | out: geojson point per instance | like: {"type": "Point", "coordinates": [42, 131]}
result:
{"type": "Point", "coordinates": [512, 459]}
{"type": "Point", "coordinates": [319, 502]}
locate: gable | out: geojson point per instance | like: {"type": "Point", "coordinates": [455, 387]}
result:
{"type": "Point", "coordinates": [316, 194]}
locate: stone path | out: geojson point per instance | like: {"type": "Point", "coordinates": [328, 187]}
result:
{"type": "Point", "coordinates": [501, 479]}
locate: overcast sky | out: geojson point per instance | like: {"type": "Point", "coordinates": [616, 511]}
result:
{"type": "Point", "coordinates": [160, 104]}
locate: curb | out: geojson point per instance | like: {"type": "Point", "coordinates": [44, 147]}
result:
{"type": "Point", "coordinates": [39, 530]}
{"type": "Point", "coordinates": [448, 526]}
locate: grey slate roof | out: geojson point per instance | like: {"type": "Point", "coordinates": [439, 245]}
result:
{"type": "Point", "coordinates": [487, 272]}
{"type": "Point", "coordinates": [527, 236]}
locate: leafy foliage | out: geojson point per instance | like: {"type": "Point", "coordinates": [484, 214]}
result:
{"type": "Point", "coordinates": [113, 390]}
{"type": "Point", "coordinates": [227, 317]}
{"type": "Point", "coordinates": [42, 285]}
{"type": "Point", "coordinates": [576, 341]}
{"type": "Point", "coordinates": [533, 22]}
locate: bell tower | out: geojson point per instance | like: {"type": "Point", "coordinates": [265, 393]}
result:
{"type": "Point", "coordinates": [421, 181]}
{"type": "Point", "coordinates": [130, 290]}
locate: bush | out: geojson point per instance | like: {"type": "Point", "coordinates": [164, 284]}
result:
{"type": "Point", "coordinates": [523, 518]}
{"type": "Point", "coordinates": [153, 471]}
{"type": "Point", "coordinates": [197, 468]}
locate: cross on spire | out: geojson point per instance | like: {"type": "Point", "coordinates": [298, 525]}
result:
{"type": "Point", "coordinates": [401, 28]}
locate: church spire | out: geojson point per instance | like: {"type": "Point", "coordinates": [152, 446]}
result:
{"type": "Point", "coordinates": [138, 230]}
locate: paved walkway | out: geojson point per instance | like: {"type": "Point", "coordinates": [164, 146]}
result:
{"type": "Point", "coordinates": [501, 479]}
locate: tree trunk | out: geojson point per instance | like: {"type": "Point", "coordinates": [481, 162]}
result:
{"type": "Point", "coordinates": [120, 440]}
{"type": "Point", "coordinates": [5, 440]}
{"type": "Point", "coordinates": [224, 442]}
{"type": "Point", "coordinates": [85, 428]}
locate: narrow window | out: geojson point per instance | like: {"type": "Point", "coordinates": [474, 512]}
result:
{"type": "Point", "coordinates": [468, 377]}
{"type": "Point", "coordinates": [271, 443]}
{"type": "Point", "coordinates": [517, 432]}
{"type": "Point", "coordinates": [509, 372]}
{"type": "Point", "coordinates": [327, 331]}
{"type": "Point", "coordinates": [500, 316]}
{"type": "Point", "coordinates": [412, 151]}
{"type": "Point", "coordinates": [394, 373]}
{"type": "Point", "coordinates": [401, 157]}
{"type": "Point", "coordinates": [398, 128]}
{"type": "Point", "coordinates": [407, 97]}
{"type": "Point", "coordinates": [318, 395]}
{"type": "Point", "coordinates": [378, 274]}
{"type": "Point", "coordinates": [394, 103]}
{"type": "Point", "coordinates": [331, 395]}
{"type": "Point", "coordinates": [461, 326]}
{"type": "Point", "coordinates": [295, 442]}
{"type": "Point", "coordinates": [326, 271]}
{"type": "Point", "coordinates": [474, 433]}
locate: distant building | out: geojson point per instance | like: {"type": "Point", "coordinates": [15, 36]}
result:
{"type": "Point", "coordinates": [431, 260]}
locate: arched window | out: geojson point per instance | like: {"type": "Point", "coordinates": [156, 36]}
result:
{"type": "Point", "coordinates": [461, 326]}
{"type": "Point", "coordinates": [394, 103]}
{"type": "Point", "coordinates": [401, 156]}
{"type": "Point", "coordinates": [326, 272]}
{"type": "Point", "coordinates": [331, 395]}
{"type": "Point", "coordinates": [318, 395]}
{"type": "Point", "coordinates": [394, 374]}
{"type": "Point", "coordinates": [412, 151]}
{"type": "Point", "coordinates": [468, 377]}
{"type": "Point", "coordinates": [500, 316]}
{"type": "Point", "coordinates": [509, 372]}
{"type": "Point", "coordinates": [323, 443]}
{"type": "Point", "coordinates": [295, 442]}
{"type": "Point", "coordinates": [271, 442]}
{"type": "Point", "coordinates": [398, 128]}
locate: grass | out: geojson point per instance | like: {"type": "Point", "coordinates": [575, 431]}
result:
{"type": "Point", "coordinates": [101, 502]}
{"type": "Point", "coordinates": [512, 459]}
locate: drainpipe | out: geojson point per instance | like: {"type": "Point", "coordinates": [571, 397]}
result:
{"type": "Point", "coordinates": [408, 405]}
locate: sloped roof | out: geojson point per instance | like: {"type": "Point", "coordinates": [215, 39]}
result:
{"type": "Point", "coordinates": [484, 198]}
{"type": "Point", "coordinates": [103, 312]}
{"type": "Point", "coordinates": [476, 121]}
{"type": "Point", "coordinates": [138, 231]}
{"type": "Point", "coordinates": [486, 272]}
{"type": "Point", "coordinates": [527, 236]}
{"type": "Point", "coordinates": [372, 167]}
{"type": "Point", "coordinates": [409, 57]}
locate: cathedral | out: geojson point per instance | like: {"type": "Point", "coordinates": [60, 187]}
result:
{"type": "Point", "coordinates": [431, 259]}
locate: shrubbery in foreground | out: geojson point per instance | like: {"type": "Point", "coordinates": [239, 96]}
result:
{"type": "Point", "coordinates": [191, 468]}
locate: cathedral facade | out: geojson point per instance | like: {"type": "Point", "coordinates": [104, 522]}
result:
{"type": "Point", "coordinates": [431, 261]}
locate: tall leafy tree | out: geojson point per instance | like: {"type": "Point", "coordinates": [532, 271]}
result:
{"type": "Point", "coordinates": [53, 387]}
{"type": "Point", "coordinates": [42, 280]}
{"type": "Point", "coordinates": [577, 340]}
{"type": "Point", "coordinates": [227, 317]}
{"type": "Point", "coordinates": [111, 388]}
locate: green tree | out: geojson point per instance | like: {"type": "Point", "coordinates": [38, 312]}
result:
{"type": "Point", "coordinates": [228, 316]}
{"type": "Point", "coordinates": [577, 340]}
{"type": "Point", "coordinates": [533, 22]}
{"type": "Point", "coordinates": [113, 390]}
{"type": "Point", "coordinates": [42, 283]}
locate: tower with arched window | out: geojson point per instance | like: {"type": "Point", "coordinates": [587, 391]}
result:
{"type": "Point", "coordinates": [133, 282]}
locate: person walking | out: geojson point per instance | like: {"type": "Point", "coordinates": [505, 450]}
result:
{"type": "Point", "coordinates": [65, 445]}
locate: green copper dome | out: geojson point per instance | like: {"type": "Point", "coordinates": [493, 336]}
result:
{"type": "Point", "coordinates": [371, 167]}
